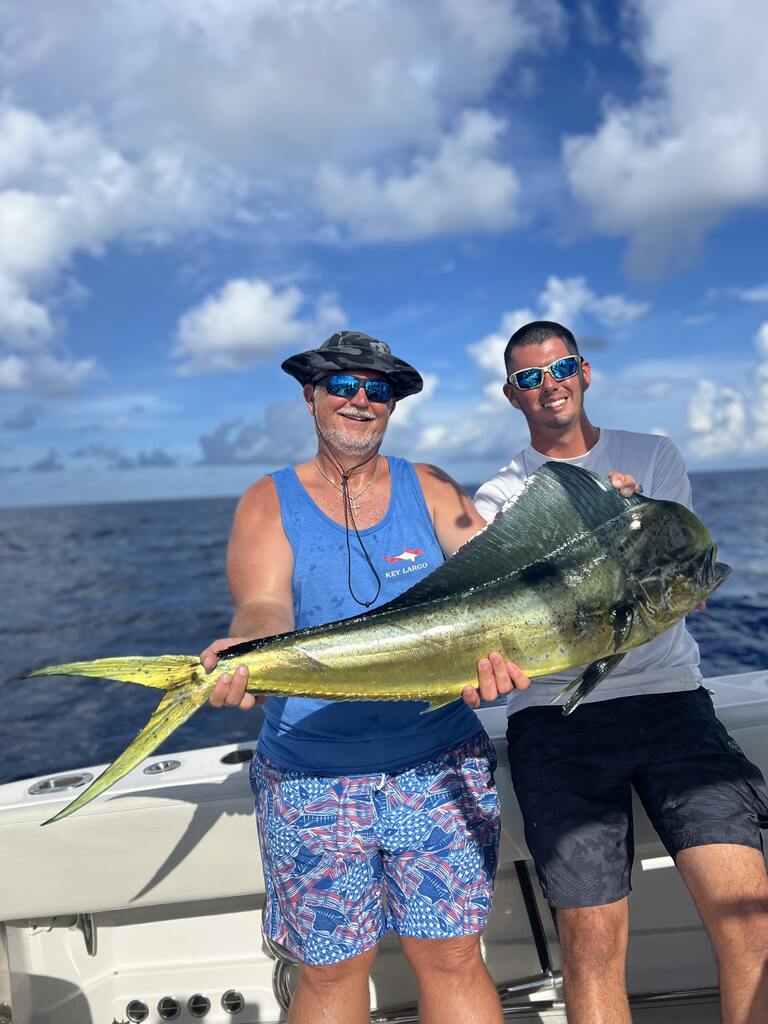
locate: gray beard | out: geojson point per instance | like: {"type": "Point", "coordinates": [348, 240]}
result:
{"type": "Point", "coordinates": [339, 441]}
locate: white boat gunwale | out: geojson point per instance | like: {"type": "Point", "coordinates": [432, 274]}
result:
{"type": "Point", "coordinates": [139, 865]}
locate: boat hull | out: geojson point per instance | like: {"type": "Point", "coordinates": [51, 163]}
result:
{"type": "Point", "coordinates": [155, 890]}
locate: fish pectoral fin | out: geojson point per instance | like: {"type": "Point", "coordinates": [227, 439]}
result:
{"type": "Point", "coordinates": [622, 619]}
{"type": "Point", "coordinates": [587, 681]}
{"type": "Point", "coordinates": [439, 702]}
{"type": "Point", "coordinates": [310, 661]}
{"type": "Point", "coordinates": [177, 706]}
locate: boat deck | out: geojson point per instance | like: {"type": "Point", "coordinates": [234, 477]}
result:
{"type": "Point", "coordinates": [119, 904]}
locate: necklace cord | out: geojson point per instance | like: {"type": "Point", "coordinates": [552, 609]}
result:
{"type": "Point", "coordinates": [349, 514]}
{"type": "Point", "coordinates": [348, 511]}
{"type": "Point", "coordinates": [345, 478]}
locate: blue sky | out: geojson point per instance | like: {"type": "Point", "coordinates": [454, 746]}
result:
{"type": "Point", "coordinates": [190, 192]}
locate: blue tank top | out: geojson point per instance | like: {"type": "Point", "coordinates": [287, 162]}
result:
{"type": "Point", "coordinates": [357, 737]}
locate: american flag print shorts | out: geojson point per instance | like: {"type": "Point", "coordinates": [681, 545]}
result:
{"type": "Point", "coordinates": [348, 858]}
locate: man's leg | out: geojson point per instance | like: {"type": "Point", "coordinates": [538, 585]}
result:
{"type": "Point", "coordinates": [454, 984]}
{"type": "Point", "coordinates": [322, 871]}
{"type": "Point", "coordinates": [334, 993]}
{"type": "Point", "coordinates": [729, 886]}
{"type": "Point", "coordinates": [439, 824]}
{"type": "Point", "coordinates": [572, 780]}
{"type": "Point", "coordinates": [707, 801]}
{"type": "Point", "coordinates": [594, 948]}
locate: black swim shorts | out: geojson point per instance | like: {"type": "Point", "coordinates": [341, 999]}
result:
{"type": "Point", "coordinates": [573, 777]}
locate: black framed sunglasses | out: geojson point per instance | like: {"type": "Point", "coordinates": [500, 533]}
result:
{"type": "Point", "coordinates": [533, 376]}
{"type": "Point", "coordinates": [346, 385]}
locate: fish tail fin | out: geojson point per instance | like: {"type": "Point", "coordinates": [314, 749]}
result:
{"type": "Point", "coordinates": [177, 705]}
{"type": "Point", "coordinates": [162, 672]}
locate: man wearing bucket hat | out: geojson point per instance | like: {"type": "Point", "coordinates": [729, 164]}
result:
{"type": "Point", "coordinates": [356, 800]}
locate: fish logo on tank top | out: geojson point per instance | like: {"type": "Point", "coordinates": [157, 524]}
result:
{"type": "Point", "coordinates": [410, 557]}
{"type": "Point", "coordinates": [407, 555]}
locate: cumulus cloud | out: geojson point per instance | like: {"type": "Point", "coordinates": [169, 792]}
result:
{"type": "Point", "coordinates": [253, 91]}
{"type": "Point", "coordinates": [490, 431]}
{"type": "Point", "coordinates": [461, 187]}
{"type": "Point", "coordinates": [273, 84]}
{"type": "Point", "coordinates": [156, 458]}
{"type": "Point", "coordinates": [713, 423]}
{"type": "Point", "coordinates": [283, 435]}
{"type": "Point", "coordinates": [566, 300]}
{"type": "Point", "coordinates": [664, 170]}
{"type": "Point", "coordinates": [726, 421]}
{"type": "Point", "coordinates": [407, 411]}
{"type": "Point", "coordinates": [100, 143]}
{"type": "Point", "coordinates": [48, 463]}
{"type": "Point", "coordinates": [469, 438]}
{"type": "Point", "coordinates": [48, 374]}
{"type": "Point", "coordinates": [24, 323]}
{"type": "Point", "coordinates": [757, 294]}
{"type": "Point", "coordinates": [758, 403]}
{"type": "Point", "coordinates": [105, 412]}
{"type": "Point", "coordinates": [110, 454]}
{"type": "Point", "coordinates": [424, 427]}
{"type": "Point", "coordinates": [248, 321]}
{"type": "Point", "coordinates": [488, 353]}
{"type": "Point", "coordinates": [717, 419]}
{"type": "Point", "coordinates": [13, 372]}
{"type": "Point", "coordinates": [58, 376]}
{"type": "Point", "coordinates": [569, 301]}
{"type": "Point", "coordinates": [26, 418]}
{"type": "Point", "coordinates": [116, 458]}
{"type": "Point", "coordinates": [64, 191]}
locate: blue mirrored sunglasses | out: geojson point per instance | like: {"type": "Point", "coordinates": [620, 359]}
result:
{"type": "Point", "coordinates": [533, 376]}
{"type": "Point", "coordinates": [345, 385]}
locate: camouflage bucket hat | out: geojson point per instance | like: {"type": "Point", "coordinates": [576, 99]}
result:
{"type": "Point", "coordinates": [350, 350]}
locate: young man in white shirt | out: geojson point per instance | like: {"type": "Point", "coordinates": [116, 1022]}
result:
{"type": "Point", "coordinates": [650, 725]}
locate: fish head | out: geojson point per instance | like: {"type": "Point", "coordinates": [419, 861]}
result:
{"type": "Point", "coordinates": [694, 581]}
{"type": "Point", "coordinates": [673, 563]}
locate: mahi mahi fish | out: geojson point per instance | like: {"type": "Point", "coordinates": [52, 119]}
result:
{"type": "Point", "coordinates": [569, 573]}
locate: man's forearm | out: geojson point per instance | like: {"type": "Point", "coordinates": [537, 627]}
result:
{"type": "Point", "coordinates": [261, 618]}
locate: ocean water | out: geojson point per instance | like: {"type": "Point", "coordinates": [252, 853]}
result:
{"type": "Point", "coordinates": [103, 580]}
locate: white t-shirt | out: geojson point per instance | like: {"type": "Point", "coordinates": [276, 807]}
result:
{"type": "Point", "coordinates": [670, 661]}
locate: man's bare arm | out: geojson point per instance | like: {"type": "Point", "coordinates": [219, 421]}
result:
{"type": "Point", "coordinates": [454, 517]}
{"type": "Point", "coordinates": [259, 569]}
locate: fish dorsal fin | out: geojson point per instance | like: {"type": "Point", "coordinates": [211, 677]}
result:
{"type": "Point", "coordinates": [558, 503]}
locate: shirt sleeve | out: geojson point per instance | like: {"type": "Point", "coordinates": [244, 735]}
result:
{"type": "Point", "coordinates": [492, 495]}
{"type": "Point", "coordinates": [670, 480]}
